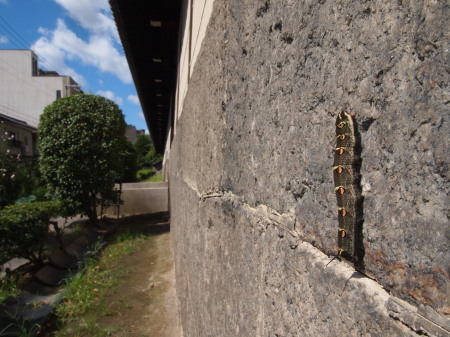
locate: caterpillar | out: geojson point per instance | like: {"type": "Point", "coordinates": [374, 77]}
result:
{"type": "Point", "coordinates": [346, 180]}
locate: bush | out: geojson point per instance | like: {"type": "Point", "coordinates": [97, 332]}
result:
{"type": "Point", "coordinates": [24, 230]}
{"type": "Point", "coordinates": [130, 163]}
{"type": "Point", "coordinates": [29, 180]}
{"type": "Point", "coordinates": [41, 194]}
{"type": "Point", "coordinates": [144, 174]}
{"type": "Point", "coordinates": [82, 148]}
{"type": "Point", "coordinates": [9, 185]}
{"type": "Point", "coordinates": [146, 153]}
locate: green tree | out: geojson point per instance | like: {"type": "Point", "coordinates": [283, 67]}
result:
{"type": "Point", "coordinates": [9, 185]}
{"type": "Point", "coordinates": [82, 145]}
{"type": "Point", "coordinates": [143, 144]}
{"type": "Point", "coordinates": [146, 153]}
{"type": "Point", "coordinates": [130, 163]}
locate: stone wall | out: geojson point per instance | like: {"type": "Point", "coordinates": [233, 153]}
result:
{"type": "Point", "coordinates": [253, 209]}
{"type": "Point", "coordinates": [140, 198]}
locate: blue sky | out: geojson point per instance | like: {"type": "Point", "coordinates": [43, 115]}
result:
{"type": "Point", "coordinates": [76, 38]}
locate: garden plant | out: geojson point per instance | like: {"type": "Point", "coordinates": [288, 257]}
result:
{"type": "Point", "coordinates": [24, 230]}
{"type": "Point", "coordinates": [82, 149]}
{"type": "Point", "coordinates": [9, 189]}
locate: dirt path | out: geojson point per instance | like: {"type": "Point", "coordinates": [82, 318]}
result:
{"type": "Point", "coordinates": [144, 302]}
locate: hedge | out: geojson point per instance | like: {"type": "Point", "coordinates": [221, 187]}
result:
{"type": "Point", "coordinates": [24, 230]}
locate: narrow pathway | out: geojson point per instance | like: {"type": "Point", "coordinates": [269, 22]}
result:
{"type": "Point", "coordinates": [144, 302]}
{"type": "Point", "coordinates": [29, 310]}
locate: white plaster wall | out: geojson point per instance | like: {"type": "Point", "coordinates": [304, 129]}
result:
{"type": "Point", "coordinates": [183, 72]}
{"type": "Point", "coordinates": [22, 95]}
{"type": "Point", "coordinates": [201, 13]}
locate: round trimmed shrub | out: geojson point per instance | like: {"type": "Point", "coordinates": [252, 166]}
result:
{"type": "Point", "coordinates": [82, 146]}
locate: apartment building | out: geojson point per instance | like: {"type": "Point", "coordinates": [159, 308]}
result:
{"type": "Point", "coordinates": [131, 133]}
{"type": "Point", "coordinates": [25, 89]}
{"type": "Point", "coordinates": [20, 137]}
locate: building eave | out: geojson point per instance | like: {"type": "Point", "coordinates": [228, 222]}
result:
{"type": "Point", "coordinates": [149, 33]}
{"type": "Point", "coordinates": [17, 122]}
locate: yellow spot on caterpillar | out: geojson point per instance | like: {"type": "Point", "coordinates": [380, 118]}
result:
{"type": "Point", "coordinates": [341, 125]}
{"type": "Point", "coordinates": [341, 137]}
{"type": "Point", "coordinates": [340, 190]}
{"type": "Point", "coordinates": [342, 211]}
{"type": "Point", "coordinates": [340, 150]}
{"type": "Point", "coordinates": [339, 169]}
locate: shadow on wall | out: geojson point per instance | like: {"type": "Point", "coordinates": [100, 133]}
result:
{"type": "Point", "coordinates": [141, 198]}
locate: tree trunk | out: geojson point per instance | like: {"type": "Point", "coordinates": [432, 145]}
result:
{"type": "Point", "coordinates": [91, 210]}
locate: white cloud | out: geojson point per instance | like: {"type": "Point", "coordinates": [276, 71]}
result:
{"type": "Point", "coordinates": [52, 58]}
{"type": "Point", "coordinates": [93, 15]}
{"type": "Point", "coordinates": [3, 38]}
{"type": "Point", "coordinates": [110, 95]}
{"type": "Point", "coordinates": [141, 114]}
{"type": "Point", "coordinates": [98, 51]}
{"type": "Point", "coordinates": [43, 31]}
{"type": "Point", "coordinates": [133, 99]}
{"type": "Point", "coordinates": [3, 1]}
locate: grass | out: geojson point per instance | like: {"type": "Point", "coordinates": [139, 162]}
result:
{"type": "Point", "coordinates": [143, 174]}
{"type": "Point", "coordinates": [21, 330]}
{"type": "Point", "coordinates": [11, 285]}
{"type": "Point", "coordinates": [154, 178]}
{"type": "Point", "coordinates": [148, 175]}
{"type": "Point", "coordinates": [86, 291]}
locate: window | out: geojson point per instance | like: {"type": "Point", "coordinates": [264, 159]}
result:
{"type": "Point", "coordinates": [58, 94]}
{"type": "Point", "coordinates": [25, 148]}
{"type": "Point", "coordinates": [34, 67]}
{"type": "Point", "coordinates": [13, 138]}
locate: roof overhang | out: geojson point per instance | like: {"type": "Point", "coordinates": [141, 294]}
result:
{"type": "Point", "coordinates": [149, 33]}
{"type": "Point", "coordinates": [17, 122]}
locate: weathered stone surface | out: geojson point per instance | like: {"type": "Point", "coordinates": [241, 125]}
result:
{"type": "Point", "coordinates": [429, 324]}
{"type": "Point", "coordinates": [38, 288]}
{"type": "Point", "coordinates": [12, 265]}
{"type": "Point", "coordinates": [246, 280]}
{"type": "Point", "coordinates": [25, 313]}
{"type": "Point", "coordinates": [258, 124]}
{"type": "Point", "coordinates": [104, 229]}
{"type": "Point", "coordinates": [37, 308]}
{"type": "Point", "coordinates": [51, 276]}
{"type": "Point", "coordinates": [76, 250]}
{"type": "Point", "coordinates": [61, 259]}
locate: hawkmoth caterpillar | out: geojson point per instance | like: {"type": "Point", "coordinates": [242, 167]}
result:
{"type": "Point", "coordinates": [346, 180]}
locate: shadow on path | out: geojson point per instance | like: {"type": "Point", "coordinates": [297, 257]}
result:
{"type": "Point", "coordinates": [148, 224]}
{"type": "Point", "coordinates": [39, 297]}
